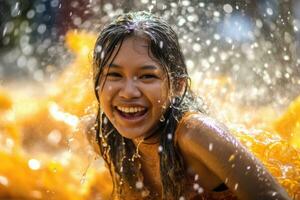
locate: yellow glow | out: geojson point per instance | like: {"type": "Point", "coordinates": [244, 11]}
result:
{"type": "Point", "coordinates": [34, 164]}
{"type": "Point", "coordinates": [50, 129]}
{"type": "Point", "coordinates": [69, 119]}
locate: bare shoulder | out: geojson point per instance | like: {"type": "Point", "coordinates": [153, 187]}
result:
{"type": "Point", "coordinates": [211, 143]}
{"type": "Point", "coordinates": [200, 128]}
{"type": "Point", "coordinates": [200, 120]}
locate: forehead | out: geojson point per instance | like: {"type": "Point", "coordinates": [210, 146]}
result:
{"type": "Point", "coordinates": [138, 44]}
{"type": "Point", "coordinates": [135, 50]}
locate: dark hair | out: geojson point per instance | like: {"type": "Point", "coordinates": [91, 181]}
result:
{"type": "Point", "coordinates": [119, 152]}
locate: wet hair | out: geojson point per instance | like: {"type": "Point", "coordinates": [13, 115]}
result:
{"type": "Point", "coordinates": [119, 152]}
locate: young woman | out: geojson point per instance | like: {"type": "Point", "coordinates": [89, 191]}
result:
{"type": "Point", "coordinates": [153, 135]}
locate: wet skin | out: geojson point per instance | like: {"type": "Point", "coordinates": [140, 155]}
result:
{"type": "Point", "coordinates": [209, 144]}
{"type": "Point", "coordinates": [136, 80]}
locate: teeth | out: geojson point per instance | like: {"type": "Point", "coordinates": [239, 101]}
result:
{"type": "Point", "coordinates": [130, 109]}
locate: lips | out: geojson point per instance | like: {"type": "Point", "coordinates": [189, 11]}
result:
{"type": "Point", "coordinates": [131, 112]}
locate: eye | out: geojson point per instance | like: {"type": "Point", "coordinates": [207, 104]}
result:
{"type": "Point", "coordinates": [148, 76]}
{"type": "Point", "coordinates": [113, 74]}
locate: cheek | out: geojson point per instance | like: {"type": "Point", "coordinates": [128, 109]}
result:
{"type": "Point", "coordinates": [164, 91]}
{"type": "Point", "coordinates": [106, 96]}
{"type": "Point", "coordinates": [159, 95]}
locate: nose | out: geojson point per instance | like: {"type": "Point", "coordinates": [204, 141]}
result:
{"type": "Point", "coordinates": [129, 90]}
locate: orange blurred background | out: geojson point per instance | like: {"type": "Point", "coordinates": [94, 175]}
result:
{"type": "Point", "coordinates": [46, 152]}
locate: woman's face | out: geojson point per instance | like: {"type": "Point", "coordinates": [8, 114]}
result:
{"type": "Point", "coordinates": [134, 93]}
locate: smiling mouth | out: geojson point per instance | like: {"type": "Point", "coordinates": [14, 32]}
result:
{"type": "Point", "coordinates": [131, 113]}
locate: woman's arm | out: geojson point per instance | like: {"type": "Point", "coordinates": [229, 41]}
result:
{"type": "Point", "coordinates": [209, 141]}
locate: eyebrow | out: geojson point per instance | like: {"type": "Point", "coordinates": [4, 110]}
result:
{"type": "Point", "coordinates": [144, 67]}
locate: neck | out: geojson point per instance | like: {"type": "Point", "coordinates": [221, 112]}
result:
{"type": "Point", "coordinates": [147, 149]}
{"type": "Point", "coordinates": [151, 138]}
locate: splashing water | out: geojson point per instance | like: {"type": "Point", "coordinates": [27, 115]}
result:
{"type": "Point", "coordinates": [250, 72]}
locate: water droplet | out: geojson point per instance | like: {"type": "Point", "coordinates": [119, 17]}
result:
{"type": "Point", "coordinates": [54, 136]}
{"type": "Point", "coordinates": [144, 1]}
{"type": "Point", "coordinates": [287, 75]}
{"type": "Point", "coordinates": [197, 47]}
{"type": "Point", "coordinates": [54, 3]}
{"type": "Point", "coordinates": [286, 57]}
{"type": "Point", "coordinates": [269, 11]}
{"type": "Point", "coordinates": [208, 42]}
{"type": "Point", "coordinates": [210, 147]}
{"type": "Point", "coordinates": [161, 44]}
{"type": "Point", "coordinates": [98, 48]}
{"type": "Point", "coordinates": [145, 193]}
{"type": "Point", "coordinates": [181, 198]}
{"type": "Point", "coordinates": [34, 164]}
{"type": "Point", "coordinates": [181, 21]}
{"type": "Point", "coordinates": [77, 21]}
{"type": "Point", "coordinates": [102, 55]}
{"type": "Point", "coordinates": [196, 186]}
{"type": "Point", "coordinates": [200, 190]}
{"type": "Point", "coordinates": [30, 14]}
{"type": "Point", "coordinates": [236, 186]}
{"type": "Point", "coordinates": [162, 118]}
{"type": "Point", "coordinates": [201, 4]}
{"type": "Point", "coordinates": [8, 28]}
{"type": "Point", "coordinates": [212, 59]}
{"type": "Point", "coordinates": [228, 8]}
{"type": "Point", "coordinates": [41, 28]}
{"type": "Point", "coordinates": [173, 100]}
{"type": "Point", "coordinates": [193, 18]}
{"type": "Point", "coordinates": [40, 8]}
{"type": "Point", "coordinates": [105, 120]}
{"type": "Point", "coordinates": [196, 177]}
{"type": "Point", "coordinates": [9, 143]}
{"type": "Point", "coordinates": [170, 136]}
{"type": "Point", "coordinates": [16, 10]}
{"type": "Point", "coordinates": [4, 181]}
{"type": "Point", "coordinates": [190, 64]}
{"type": "Point", "coordinates": [139, 185]}
{"type": "Point", "coordinates": [160, 148]}
{"type": "Point", "coordinates": [108, 7]}
{"type": "Point", "coordinates": [226, 180]}
{"type": "Point", "coordinates": [217, 37]}
{"type": "Point", "coordinates": [216, 14]}
{"type": "Point", "coordinates": [185, 2]}
{"type": "Point", "coordinates": [231, 158]}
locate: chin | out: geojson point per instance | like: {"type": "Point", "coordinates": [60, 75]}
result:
{"type": "Point", "coordinates": [131, 135]}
